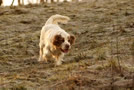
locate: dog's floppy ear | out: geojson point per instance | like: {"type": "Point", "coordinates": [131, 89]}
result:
{"type": "Point", "coordinates": [71, 39]}
{"type": "Point", "coordinates": [58, 40]}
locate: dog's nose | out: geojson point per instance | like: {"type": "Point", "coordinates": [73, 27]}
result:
{"type": "Point", "coordinates": [66, 46]}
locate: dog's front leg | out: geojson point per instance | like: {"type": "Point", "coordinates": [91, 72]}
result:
{"type": "Point", "coordinates": [46, 53]}
{"type": "Point", "coordinates": [59, 59]}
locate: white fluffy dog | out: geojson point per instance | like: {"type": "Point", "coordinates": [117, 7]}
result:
{"type": "Point", "coordinates": [54, 41]}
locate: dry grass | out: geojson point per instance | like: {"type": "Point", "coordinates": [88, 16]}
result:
{"type": "Point", "coordinates": [101, 59]}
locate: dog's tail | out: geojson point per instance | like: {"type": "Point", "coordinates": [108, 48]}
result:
{"type": "Point", "coordinates": [55, 19]}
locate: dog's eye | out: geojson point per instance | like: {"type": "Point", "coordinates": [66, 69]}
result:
{"type": "Point", "coordinates": [63, 40]}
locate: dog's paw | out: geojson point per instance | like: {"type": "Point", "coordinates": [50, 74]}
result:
{"type": "Point", "coordinates": [58, 63]}
{"type": "Point", "coordinates": [40, 60]}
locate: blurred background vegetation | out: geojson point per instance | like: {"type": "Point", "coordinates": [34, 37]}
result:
{"type": "Point", "coordinates": [24, 2]}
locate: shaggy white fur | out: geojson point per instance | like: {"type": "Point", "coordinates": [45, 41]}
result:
{"type": "Point", "coordinates": [54, 41]}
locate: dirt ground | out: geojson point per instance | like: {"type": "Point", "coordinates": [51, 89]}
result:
{"type": "Point", "coordinates": [102, 57]}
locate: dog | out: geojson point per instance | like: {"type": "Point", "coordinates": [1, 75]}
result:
{"type": "Point", "coordinates": [55, 41]}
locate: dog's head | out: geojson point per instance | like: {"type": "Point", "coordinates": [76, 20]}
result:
{"type": "Point", "coordinates": [63, 42]}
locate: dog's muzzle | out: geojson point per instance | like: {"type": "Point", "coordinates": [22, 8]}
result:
{"type": "Point", "coordinates": [66, 49]}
